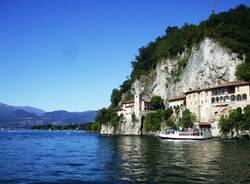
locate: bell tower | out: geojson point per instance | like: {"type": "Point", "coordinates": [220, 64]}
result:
{"type": "Point", "coordinates": [137, 99]}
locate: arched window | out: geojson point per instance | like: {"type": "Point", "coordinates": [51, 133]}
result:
{"type": "Point", "coordinates": [213, 100]}
{"type": "Point", "coordinates": [238, 97]}
{"type": "Point", "coordinates": [226, 98]}
{"type": "Point", "coordinates": [232, 98]}
{"type": "Point", "coordinates": [217, 99]}
{"type": "Point", "coordinates": [221, 98]}
{"type": "Point", "coordinates": [244, 97]}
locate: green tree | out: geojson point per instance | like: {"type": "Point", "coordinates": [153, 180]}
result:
{"type": "Point", "coordinates": [153, 121]}
{"type": "Point", "coordinates": [157, 102]}
{"type": "Point", "coordinates": [225, 125]}
{"type": "Point", "coordinates": [246, 118]}
{"type": "Point", "coordinates": [108, 115]}
{"type": "Point", "coordinates": [115, 98]}
{"type": "Point", "coordinates": [168, 113]}
{"type": "Point", "coordinates": [234, 121]}
{"type": "Point", "coordinates": [187, 119]}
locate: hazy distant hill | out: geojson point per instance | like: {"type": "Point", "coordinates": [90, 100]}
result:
{"type": "Point", "coordinates": [69, 117]}
{"type": "Point", "coordinates": [7, 108]}
{"type": "Point", "coordinates": [26, 117]}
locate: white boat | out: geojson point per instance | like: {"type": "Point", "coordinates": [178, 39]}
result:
{"type": "Point", "coordinates": [191, 134]}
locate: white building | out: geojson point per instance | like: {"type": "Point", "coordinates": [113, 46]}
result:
{"type": "Point", "coordinates": [137, 106]}
{"type": "Point", "coordinates": [177, 101]}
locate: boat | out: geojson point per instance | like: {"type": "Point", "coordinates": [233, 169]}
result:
{"type": "Point", "coordinates": [189, 134]}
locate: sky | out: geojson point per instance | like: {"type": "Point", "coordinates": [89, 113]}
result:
{"type": "Point", "coordinates": [70, 54]}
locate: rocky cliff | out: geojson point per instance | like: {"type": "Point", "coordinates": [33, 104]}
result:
{"type": "Point", "coordinates": [206, 63]}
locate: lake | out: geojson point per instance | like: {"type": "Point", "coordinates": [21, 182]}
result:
{"type": "Point", "coordinates": [81, 157]}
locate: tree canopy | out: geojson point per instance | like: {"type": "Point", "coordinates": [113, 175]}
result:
{"type": "Point", "coordinates": [157, 103]}
{"type": "Point", "coordinates": [187, 119]}
{"type": "Point", "coordinates": [235, 121]}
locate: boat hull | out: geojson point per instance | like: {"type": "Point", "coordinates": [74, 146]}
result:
{"type": "Point", "coordinates": [177, 136]}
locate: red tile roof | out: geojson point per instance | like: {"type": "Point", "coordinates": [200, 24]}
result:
{"type": "Point", "coordinates": [177, 98]}
{"type": "Point", "coordinates": [227, 84]}
{"type": "Point", "coordinates": [144, 98]}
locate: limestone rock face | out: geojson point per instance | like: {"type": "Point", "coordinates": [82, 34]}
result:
{"type": "Point", "coordinates": [127, 127]}
{"type": "Point", "coordinates": [206, 64]}
{"type": "Point", "coordinates": [107, 129]}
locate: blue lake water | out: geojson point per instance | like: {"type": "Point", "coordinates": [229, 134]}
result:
{"type": "Point", "coordinates": [80, 157]}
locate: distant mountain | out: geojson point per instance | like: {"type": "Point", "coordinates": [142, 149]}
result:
{"type": "Point", "coordinates": [66, 117]}
{"type": "Point", "coordinates": [30, 109]}
{"type": "Point", "coordinates": [26, 117]}
{"type": "Point", "coordinates": [7, 108]}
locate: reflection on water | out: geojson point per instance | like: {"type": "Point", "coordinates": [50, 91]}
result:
{"type": "Point", "coordinates": [40, 156]}
{"type": "Point", "coordinates": [161, 161]}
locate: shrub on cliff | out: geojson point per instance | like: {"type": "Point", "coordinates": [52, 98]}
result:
{"type": "Point", "coordinates": [157, 102]}
{"type": "Point", "coordinates": [153, 120]}
{"type": "Point", "coordinates": [109, 115]}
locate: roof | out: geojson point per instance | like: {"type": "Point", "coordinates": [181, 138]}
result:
{"type": "Point", "coordinates": [227, 84]}
{"type": "Point", "coordinates": [177, 98]}
{"type": "Point", "coordinates": [144, 98]}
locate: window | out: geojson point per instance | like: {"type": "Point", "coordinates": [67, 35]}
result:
{"type": "Point", "coordinates": [244, 97]}
{"type": "Point", "coordinates": [231, 89]}
{"type": "Point", "coordinates": [221, 98]}
{"type": "Point", "coordinates": [226, 98]}
{"type": "Point", "coordinates": [217, 99]}
{"type": "Point", "coordinates": [238, 97]}
{"type": "Point", "coordinates": [232, 98]}
{"type": "Point", "coordinates": [213, 100]}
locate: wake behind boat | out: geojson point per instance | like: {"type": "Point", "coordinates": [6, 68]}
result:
{"type": "Point", "coordinates": [189, 134]}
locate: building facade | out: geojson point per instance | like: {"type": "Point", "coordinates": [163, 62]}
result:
{"type": "Point", "coordinates": [137, 107]}
{"type": "Point", "coordinates": [210, 103]}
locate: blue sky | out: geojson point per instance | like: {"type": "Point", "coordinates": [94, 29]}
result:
{"type": "Point", "coordinates": [70, 54]}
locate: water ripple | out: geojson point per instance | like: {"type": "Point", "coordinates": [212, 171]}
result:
{"type": "Point", "coordinates": [79, 157]}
